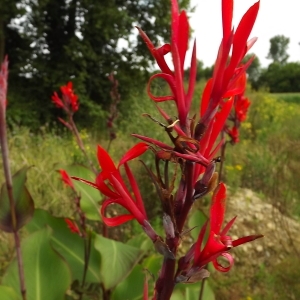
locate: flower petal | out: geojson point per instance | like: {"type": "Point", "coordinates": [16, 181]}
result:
{"type": "Point", "coordinates": [134, 152]}
{"type": "Point", "coordinates": [217, 210]}
{"type": "Point", "coordinates": [221, 268]}
{"type": "Point", "coordinates": [105, 160]}
{"type": "Point", "coordinates": [114, 221]}
{"type": "Point", "coordinates": [246, 239]}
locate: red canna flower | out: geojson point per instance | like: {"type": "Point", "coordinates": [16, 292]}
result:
{"type": "Point", "coordinates": [227, 70]}
{"type": "Point", "coordinates": [110, 183]}
{"type": "Point", "coordinates": [72, 226]}
{"type": "Point", "coordinates": [234, 134]}
{"type": "Point", "coordinates": [218, 243]}
{"type": "Point", "coordinates": [69, 101]}
{"type": "Point", "coordinates": [66, 178]}
{"type": "Point", "coordinates": [241, 106]}
{"type": "Point", "coordinates": [178, 49]}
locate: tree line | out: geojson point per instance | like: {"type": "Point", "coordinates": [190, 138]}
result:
{"type": "Point", "coordinates": [280, 76]}
{"type": "Point", "coordinates": [51, 42]}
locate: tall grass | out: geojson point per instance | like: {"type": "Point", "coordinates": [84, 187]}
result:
{"type": "Point", "coordinates": [267, 158]}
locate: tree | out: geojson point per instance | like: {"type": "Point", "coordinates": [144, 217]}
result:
{"type": "Point", "coordinates": [281, 78]}
{"type": "Point", "coordinates": [83, 41]}
{"type": "Point", "coordinates": [278, 49]}
{"type": "Point", "coordinates": [254, 69]}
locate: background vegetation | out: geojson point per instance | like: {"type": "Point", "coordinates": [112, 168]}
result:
{"type": "Point", "coordinates": [50, 42]}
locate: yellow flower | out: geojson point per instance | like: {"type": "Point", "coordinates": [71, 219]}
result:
{"type": "Point", "coordinates": [239, 167]}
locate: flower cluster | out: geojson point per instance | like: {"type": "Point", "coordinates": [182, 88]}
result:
{"type": "Point", "coordinates": [69, 101]}
{"type": "Point", "coordinates": [195, 143]}
{"type": "Point", "coordinates": [239, 112]}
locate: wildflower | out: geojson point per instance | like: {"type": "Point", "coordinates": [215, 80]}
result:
{"type": "Point", "coordinates": [177, 48]}
{"type": "Point", "coordinates": [69, 101]}
{"type": "Point", "coordinates": [228, 70]}
{"type": "Point", "coordinates": [72, 226]}
{"type": "Point", "coordinates": [110, 183]}
{"type": "Point", "coordinates": [66, 178]}
{"type": "Point", "coordinates": [218, 242]}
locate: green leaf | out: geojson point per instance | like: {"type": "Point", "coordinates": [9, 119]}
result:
{"type": "Point", "coordinates": [153, 263]}
{"type": "Point", "coordinates": [117, 260]}
{"type": "Point", "coordinates": [68, 244]}
{"type": "Point", "coordinates": [7, 293]}
{"type": "Point", "coordinates": [132, 287]}
{"type": "Point", "coordinates": [192, 291]}
{"type": "Point", "coordinates": [197, 219]}
{"type": "Point", "coordinates": [24, 205]}
{"type": "Point", "coordinates": [141, 241]}
{"type": "Point", "coordinates": [90, 197]}
{"type": "Point", "coordinates": [47, 276]}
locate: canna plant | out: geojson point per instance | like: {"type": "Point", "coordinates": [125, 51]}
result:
{"type": "Point", "coordinates": [194, 144]}
{"type": "Point", "coordinates": [184, 172]}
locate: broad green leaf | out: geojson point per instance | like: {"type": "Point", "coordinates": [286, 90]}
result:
{"type": "Point", "coordinates": [192, 291]}
{"type": "Point", "coordinates": [69, 245]}
{"type": "Point", "coordinates": [24, 205]}
{"type": "Point", "coordinates": [90, 197]}
{"type": "Point", "coordinates": [177, 295]}
{"type": "Point", "coordinates": [117, 260]}
{"type": "Point", "coordinates": [7, 293]}
{"type": "Point", "coordinates": [197, 219]}
{"type": "Point", "coordinates": [132, 287]}
{"type": "Point", "coordinates": [141, 241]}
{"type": "Point", "coordinates": [153, 263]}
{"type": "Point", "coordinates": [47, 276]}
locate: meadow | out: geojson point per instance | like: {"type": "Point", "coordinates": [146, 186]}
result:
{"type": "Point", "coordinates": [266, 160]}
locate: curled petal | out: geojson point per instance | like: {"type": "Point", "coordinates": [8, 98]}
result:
{"type": "Point", "coordinates": [221, 268]}
{"type": "Point", "coordinates": [114, 221]}
{"type": "Point", "coordinates": [170, 80]}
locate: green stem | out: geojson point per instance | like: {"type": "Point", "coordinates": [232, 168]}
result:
{"type": "Point", "coordinates": [80, 143]}
{"type": "Point", "coordinates": [202, 288]}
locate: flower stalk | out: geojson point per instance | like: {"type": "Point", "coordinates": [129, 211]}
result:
{"type": "Point", "coordinates": [7, 172]}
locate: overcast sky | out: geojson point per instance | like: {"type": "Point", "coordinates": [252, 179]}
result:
{"type": "Point", "coordinates": [275, 17]}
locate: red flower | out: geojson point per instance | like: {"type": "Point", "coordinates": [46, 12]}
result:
{"type": "Point", "coordinates": [218, 242]}
{"type": "Point", "coordinates": [241, 106]}
{"type": "Point", "coordinates": [72, 226]}
{"type": "Point", "coordinates": [234, 134]}
{"type": "Point", "coordinates": [66, 178]}
{"type": "Point", "coordinates": [112, 185]}
{"type": "Point", "coordinates": [178, 48]}
{"type": "Point", "coordinates": [69, 101]}
{"type": "Point", "coordinates": [227, 70]}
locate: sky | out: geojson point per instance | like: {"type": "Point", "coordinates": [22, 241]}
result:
{"type": "Point", "coordinates": [275, 17]}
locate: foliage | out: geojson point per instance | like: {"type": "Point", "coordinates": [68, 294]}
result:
{"type": "Point", "coordinates": [273, 159]}
{"type": "Point", "coordinates": [279, 78]}
{"type": "Point", "coordinates": [54, 41]}
{"type": "Point", "coordinates": [254, 69]}
{"type": "Point", "coordinates": [69, 257]}
{"type": "Point", "coordinates": [278, 49]}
